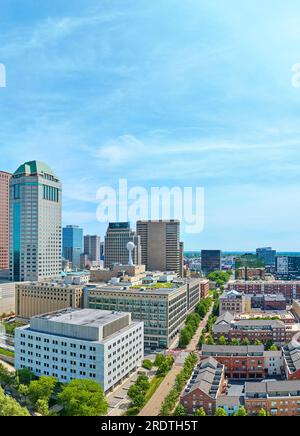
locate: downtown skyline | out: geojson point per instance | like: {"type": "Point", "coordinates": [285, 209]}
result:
{"type": "Point", "coordinates": [204, 102]}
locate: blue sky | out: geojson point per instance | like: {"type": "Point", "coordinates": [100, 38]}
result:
{"type": "Point", "coordinates": [163, 93]}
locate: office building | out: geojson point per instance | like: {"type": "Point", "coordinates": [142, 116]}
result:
{"type": "Point", "coordinates": [73, 245]}
{"type": "Point", "coordinates": [116, 239]}
{"type": "Point", "coordinates": [38, 298]}
{"type": "Point", "coordinates": [35, 223]}
{"type": "Point", "coordinates": [160, 242]}
{"type": "Point", "coordinates": [267, 254]}
{"type": "Point", "coordinates": [287, 267]}
{"type": "Point", "coordinates": [81, 344]}
{"type": "Point", "coordinates": [205, 386]}
{"type": "Point", "coordinates": [92, 248]}
{"type": "Point", "coordinates": [163, 310]}
{"type": "Point", "coordinates": [4, 223]}
{"type": "Point", "coordinates": [210, 261]}
{"type": "Point", "coordinates": [246, 273]}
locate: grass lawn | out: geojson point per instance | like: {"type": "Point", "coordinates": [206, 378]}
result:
{"type": "Point", "coordinates": [155, 382]}
{"type": "Point", "coordinates": [7, 353]}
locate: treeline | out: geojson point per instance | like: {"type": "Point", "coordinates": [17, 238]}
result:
{"type": "Point", "coordinates": [181, 380]}
{"type": "Point", "coordinates": [193, 321]}
{"type": "Point", "coordinates": [143, 389]}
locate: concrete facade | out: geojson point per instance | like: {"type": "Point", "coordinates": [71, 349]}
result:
{"type": "Point", "coordinates": [81, 344]}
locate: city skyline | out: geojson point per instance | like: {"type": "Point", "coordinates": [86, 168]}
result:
{"type": "Point", "coordinates": [206, 101]}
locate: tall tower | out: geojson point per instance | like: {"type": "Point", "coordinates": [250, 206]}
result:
{"type": "Point", "coordinates": [4, 220]}
{"type": "Point", "coordinates": [73, 244]}
{"type": "Point", "coordinates": [35, 223]}
{"type": "Point", "coordinates": [116, 239]}
{"type": "Point", "coordinates": [160, 242]}
{"type": "Point", "coordinates": [92, 247]}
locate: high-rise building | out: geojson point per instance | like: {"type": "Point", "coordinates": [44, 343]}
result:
{"type": "Point", "coordinates": [92, 248]}
{"type": "Point", "coordinates": [73, 244]}
{"type": "Point", "coordinates": [160, 242]}
{"type": "Point", "coordinates": [116, 239]}
{"type": "Point", "coordinates": [210, 261]}
{"type": "Point", "coordinates": [267, 254]}
{"type": "Point", "coordinates": [35, 223]}
{"type": "Point", "coordinates": [4, 220]}
{"type": "Point", "coordinates": [287, 267]}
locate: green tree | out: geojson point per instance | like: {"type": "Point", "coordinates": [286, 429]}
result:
{"type": "Point", "coordinates": [245, 341]}
{"type": "Point", "coordinates": [25, 376]}
{"type": "Point", "coordinates": [41, 389]}
{"type": "Point", "coordinates": [241, 412]}
{"type": "Point", "coordinates": [201, 412]}
{"type": "Point", "coordinates": [10, 407]}
{"type": "Point", "coordinates": [42, 407]}
{"type": "Point", "coordinates": [222, 340]}
{"type": "Point", "coordinates": [262, 412]}
{"type": "Point", "coordinates": [159, 359]}
{"type": "Point", "coordinates": [179, 411]}
{"type": "Point", "coordinates": [210, 340]}
{"type": "Point", "coordinates": [220, 412]}
{"type": "Point", "coordinates": [83, 398]}
{"type": "Point", "coordinates": [6, 377]}
{"type": "Point", "coordinates": [235, 342]}
{"type": "Point", "coordinates": [147, 364]}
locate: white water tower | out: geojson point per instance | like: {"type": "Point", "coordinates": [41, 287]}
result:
{"type": "Point", "coordinates": [130, 248]}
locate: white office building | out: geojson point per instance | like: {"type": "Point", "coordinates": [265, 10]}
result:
{"type": "Point", "coordinates": [72, 344]}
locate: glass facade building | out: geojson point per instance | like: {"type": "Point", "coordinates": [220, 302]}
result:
{"type": "Point", "coordinates": [73, 244]}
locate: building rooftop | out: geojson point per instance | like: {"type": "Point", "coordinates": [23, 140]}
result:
{"type": "Point", "coordinates": [33, 168]}
{"type": "Point", "coordinates": [238, 350]}
{"type": "Point", "coordinates": [272, 389]}
{"type": "Point", "coordinates": [207, 377]}
{"type": "Point", "coordinates": [83, 317]}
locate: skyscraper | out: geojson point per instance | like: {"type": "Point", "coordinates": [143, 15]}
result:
{"type": "Point", "coordinates": [267, 254]}
{"type": "Point", "coordinates": [4, 220]}
{"type": "Point", "coordinates": [35, 223]}
{"type": "Point", "coordinates": [210, 261]}
{"type": "Point", "coordinates": [116, 239]}
{"type": "Point", "coordinates": [73, 244]}
{"type": "Point", "coordinates": [160, 242]}
{"type": "Point", "coordinates": [92, 245]}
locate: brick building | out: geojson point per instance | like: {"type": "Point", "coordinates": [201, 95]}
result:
{"type": "Point", "coordinates": [240, 362]}
{"type": "Point", "coordinates": [291, 290]}
{"type": "Point", "coordinates": [279, 398]}
{"type": "Point", "coordinates": [259, 329]}
{"type": "Point", "coordinates": [205, 386]}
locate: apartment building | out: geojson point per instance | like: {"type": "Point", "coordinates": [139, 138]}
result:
{"type": "Point", "coordinates": [291, 356]}
{"type": "Point", "coordinates": [4, 221]}
{"type": "Point", "coordinates": [163, 310]}
{"type": "Point", "coordinates": [296, 308]}
{"type": "Point", "coordinates": [278, 398]}
{"type": "Point", "coordinates": [160, 244]}
{"type": "Point", "coordinates": [36, 298]}
{"type": "Point", "coordinates": [240, 362]}
{"type": "Point", "coordinates": [205, 386]}
{"type": "Point", "coordinates": [233, 302]}
{"type": "Point", "coordinates": [291, 290]}
{"type": "Point", "coordinates": [81, 344]}
{"type": "Point", "coordinates": [259, 329]}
